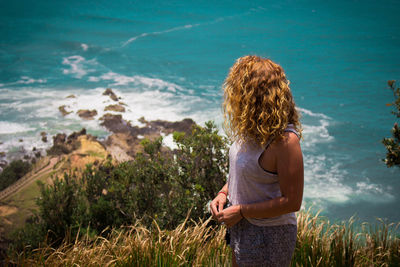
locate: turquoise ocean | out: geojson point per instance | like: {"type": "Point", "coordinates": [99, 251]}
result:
{"type": "Point", "coordinates": [168, 60]}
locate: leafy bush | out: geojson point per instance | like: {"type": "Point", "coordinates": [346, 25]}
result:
{"type": "Point", "coordinates": [159, 185]}
{"type": "Point", "coordinates": [13, 172]}
{"type": "Point", "coordinates": [202, 163]}
{"type": "Point", "coordinates": [393, 144]}
{"type": "Point", "coordinates": [61, 207]}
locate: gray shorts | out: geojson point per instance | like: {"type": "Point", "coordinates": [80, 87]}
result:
{"type": "Point", "coordinates": [263, 245]}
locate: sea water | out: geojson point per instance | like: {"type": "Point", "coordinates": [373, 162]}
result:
{"type": "Point", "coordinates": [168, 60]}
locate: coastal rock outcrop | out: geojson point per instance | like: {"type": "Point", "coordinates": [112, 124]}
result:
{"type": "Point", "coordinates": [110, 93]}
{"type": "Point", "coordinates": [126, 138]}
{"type": "Point", "coordinates": [63, 144]}
{"type": "Point", "coordinates": [116, 124]}
{"type": "Point", "coordinates": [87, 114]}
{"type": "Point", "coordinates": [63, 111]}
{"type": "Point", "coordinates": [44, 136]}
{"type": "Point", "coordinates": [168, 127]}
{"type": "Point", "coordinates": [117, 108]}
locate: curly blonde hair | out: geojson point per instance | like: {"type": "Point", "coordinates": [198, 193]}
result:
{"type": "Point", "coordinates": [258, 104]}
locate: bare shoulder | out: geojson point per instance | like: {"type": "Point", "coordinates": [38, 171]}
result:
{"type": "Point", "coordinates": [289, 142]}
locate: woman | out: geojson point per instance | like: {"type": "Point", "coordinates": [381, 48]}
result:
{"type": "Point", "coordinates": [265, 185]}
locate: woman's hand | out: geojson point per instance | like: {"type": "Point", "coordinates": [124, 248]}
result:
{"type": "Point", "coordinates": [217, 205]}
{"type": "Point", "coordinates": [230, 216]}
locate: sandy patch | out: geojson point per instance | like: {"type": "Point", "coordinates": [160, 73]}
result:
{"type": "Point", "coordinates": [7, 210]}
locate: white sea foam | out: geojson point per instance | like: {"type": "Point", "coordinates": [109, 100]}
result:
{"type": "Point", "coordinates": [84, 47]}
{"type": "Point", "coordinates": [134, 38]}
{"type": "Point", "coordinates": [368, 191]}
{"type": "Point", "coordinates": [24, 80]}
{"type": "Point", "coordinates": [13, 127]}
{"type": "Point", "coordinates": [78, 66]}
{"type": "Point", "coordinates": [316, 134]}
{"type": "Point", "coordinates": [316, 130]}
{"type": "Point", "coordinates": [28, 80]}
{"type": "Point", "coordinates": [150, 83]}
{"type": "Point", "coordinates": [326, 181]}
{"type": "Point", "coordinates": [188, 26]}
{"type": "Point", "coordinates": [313, 114]}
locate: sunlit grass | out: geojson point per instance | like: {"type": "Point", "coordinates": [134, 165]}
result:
{"type": "Point", "coordinates": [319, 243]}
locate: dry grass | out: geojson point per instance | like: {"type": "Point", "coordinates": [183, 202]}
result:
{"type": "Point", "coordinates": [195, 245]}
{"type": "Point", "coordinates": [319, 243]}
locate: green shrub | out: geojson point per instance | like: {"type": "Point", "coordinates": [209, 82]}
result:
{"type": "Point", "coordinates": [159, 185]}
{"type": "Point", "coordinates": [393, 144]}
{"type": "Point", "coordinates": [13, 172]}
{"type": "Point", "coordinates": [202, 163]}
{"type": "Point", "coordinates": [62, 208]}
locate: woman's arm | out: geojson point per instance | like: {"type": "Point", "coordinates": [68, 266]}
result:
{"type": "Point", "coordinates": [219, 201]}
{"type": "Point", "coordinates": [291, 178]}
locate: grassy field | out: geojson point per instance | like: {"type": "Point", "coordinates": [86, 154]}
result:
{"type": "Point", "coordinates": [319, 243]}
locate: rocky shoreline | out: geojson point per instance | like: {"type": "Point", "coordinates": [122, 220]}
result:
{"type": "Point", "coordinates": [123, 142]}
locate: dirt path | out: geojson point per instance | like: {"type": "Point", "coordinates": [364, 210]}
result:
{"type": "Point", "coordinates": [28, 178]}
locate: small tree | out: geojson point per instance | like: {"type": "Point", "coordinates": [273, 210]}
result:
{"type": "Point", "coordinates": [393, 144]}
{"type": "Point", "coordinates": [13, 173]}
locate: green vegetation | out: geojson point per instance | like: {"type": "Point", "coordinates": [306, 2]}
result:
{"type": "Point", "coordinates": [13, 172]}
{"type": "Point", "coordinates": [151, 212]}
{"type": "Point", "coordinates": [393, 144]}
{"type": "Point", "coordinates": [157, 186]}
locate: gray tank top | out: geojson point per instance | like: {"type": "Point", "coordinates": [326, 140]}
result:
{"type": "Point", "coordinates": [249, 183]}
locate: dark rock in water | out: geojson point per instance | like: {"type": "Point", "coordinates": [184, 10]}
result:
{"type": "Point", "coordinates": [63, 144]}
{"type": "Point", "coordinates": [2, 154]}
{"type": "Point", "coordinates": [26, 157]}
{"type": "Point", "coordinates": [21, 140]}
{"type": "Point", "coordinates": [117, 108]}
{"type": "Point", "coordinates": [122, 103]}
{"type": "Point", "coordinates": [71, 96]}
{"type": "Point", "coordinates": [63, 111]}
{"type": "Point", "coordinates": [126, 137]}
{"type": "Point", "coordinates": [59, 147]}
{"type": "Point", "coordinates": [87, 114]}
{"type": "Point", "coordinates": [44, 136]}
{"type": "Point", "coordinates": [110, 93]}
{"type": "Point", "coordinates": [38, 154]}
{"type": "Point", "coordinates": [74, 136]}
{"type": "Point", "coordinates": [115, 123]}
{"type": "Point", "coordinates": [34, 149]}
{"type": "Point", "coordinates": [59, 138]}
{"type": "Point", "coordinates": [168, 127]}
{"type": "Point", "coordinates": [142, 120]}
